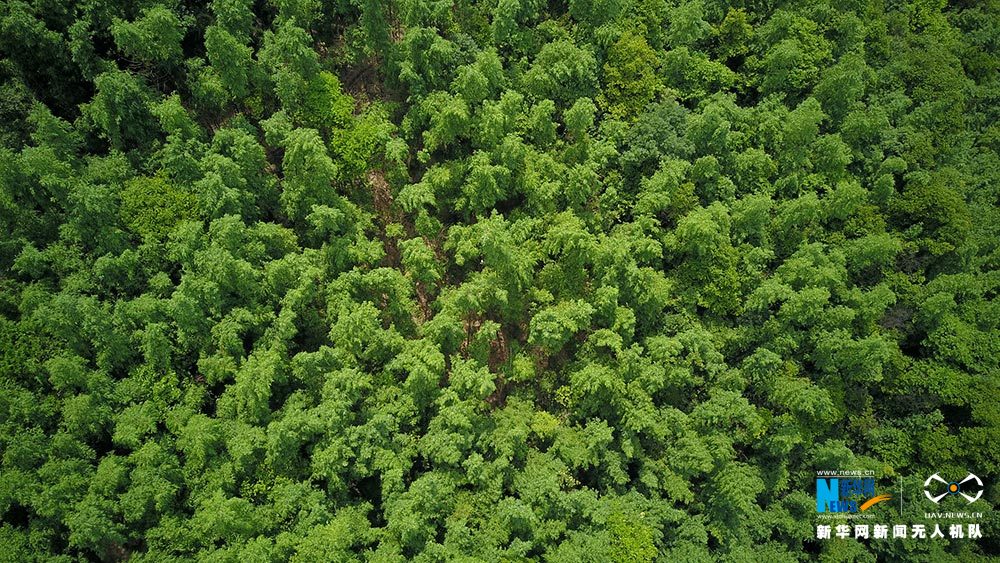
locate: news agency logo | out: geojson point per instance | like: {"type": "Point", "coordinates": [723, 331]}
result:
{"type": "Point", "coordinates": [972, 483]}
{"type": "Point", "coordinates": [847, 494]}
{"type": "Point", "coordinates": [844, 496]}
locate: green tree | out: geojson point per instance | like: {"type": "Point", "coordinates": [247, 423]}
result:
{"type": "Point", "coordinates": [154, 37]}
{"type": "Point", "coordinates": [630, 79]}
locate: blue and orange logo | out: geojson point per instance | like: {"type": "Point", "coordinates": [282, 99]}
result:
{"type": "Point", "coordinates": [846, 495]}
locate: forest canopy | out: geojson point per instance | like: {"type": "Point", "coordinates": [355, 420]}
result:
{"type": "Point", "coordinates": [504, 280]}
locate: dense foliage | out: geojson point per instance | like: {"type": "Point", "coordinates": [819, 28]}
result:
{"type": "Point", "coordinates": [579, 280]}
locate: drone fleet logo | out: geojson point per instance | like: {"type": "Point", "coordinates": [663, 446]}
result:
{"type": "Point", "coordinates": [953, 488]}
{"type": "Point", "coordinates": [845, 495]}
